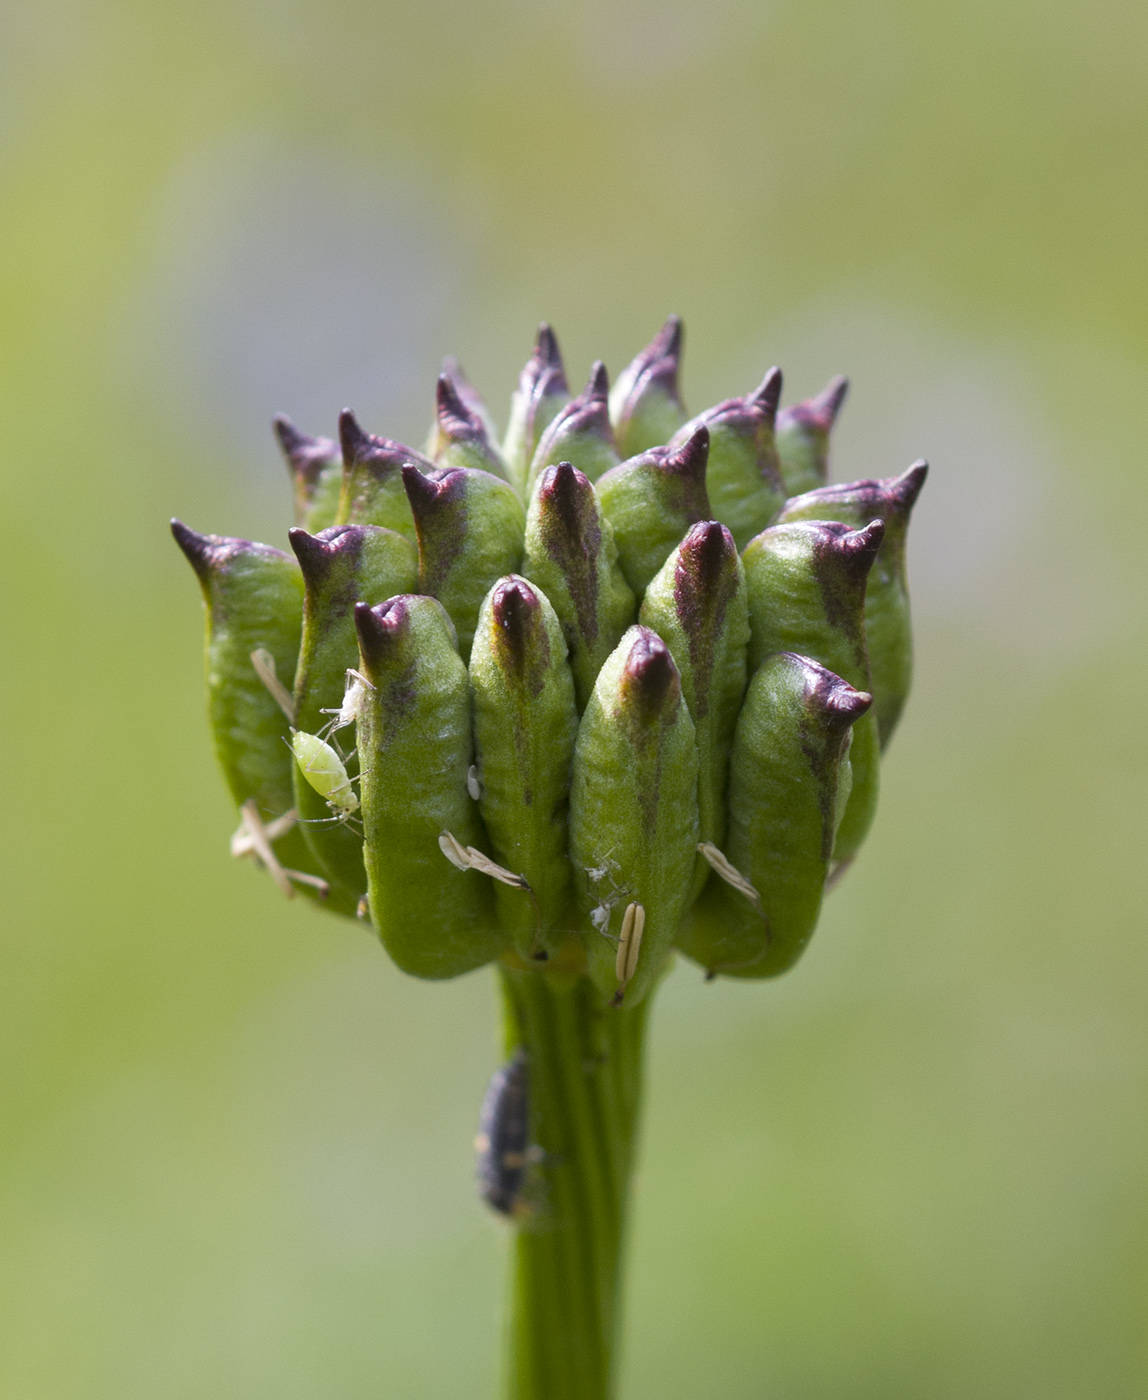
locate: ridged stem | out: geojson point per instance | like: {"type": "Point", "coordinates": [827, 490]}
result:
{"type": "Point", "coordinates": [585, 1088]}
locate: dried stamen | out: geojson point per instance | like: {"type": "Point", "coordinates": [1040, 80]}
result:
{"type": "Point", "coordinates": [264, 664]}
{"type": "Point", "coordinates": [730, 874]}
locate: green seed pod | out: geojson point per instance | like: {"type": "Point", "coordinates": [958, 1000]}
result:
{"type": "Point", "coordinates": [470, 526]}
{"type": "Point", "coordinates": [341, 566]}
{"type": "Point", "coordinates": [542, 391]}
{"type": "Point", "coordinates": [580, 433]}
{"type": "Point", "coordinates": [572, 557]}
{"type": "Point", "coordinates": [460, 438]}
{"type": "Point", "coordinates": [634, 813]}
{"type": "Point", "coordinates": [373, 491]}
{"type": "Point", "coordinates": [743, 478]}
{"type": "Point", "coordinates": [525, 725]}
{"type": "Point", "coordinates": [806, 584]}
{"type": "Point", "coordinates": [316, 467]}
{"type": "Point", "coordinates": [788, 764]}
{"type": "Point", "coordinates": [888, 631]}
{"type": "Point", "coordinates": [803, 437]}
{"type": "Point", "coordinates": [697, 605]}
{"type": "Point", "coordinates": [652, 500]}
{"type": "Point", "coordinates": [646, 407]}
{"type": "Point", "coordinates": [415, 750]}
{"type": "Point", "coordinates": [253, 596]}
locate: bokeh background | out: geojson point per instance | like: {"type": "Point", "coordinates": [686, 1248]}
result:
{"type": "Point", "coordinates": [234, 1142]}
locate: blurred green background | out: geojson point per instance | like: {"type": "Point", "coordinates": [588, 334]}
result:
{"type": "Point", "coordinates": [234, 1143]}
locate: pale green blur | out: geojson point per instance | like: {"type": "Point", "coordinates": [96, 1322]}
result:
{"type": "Point", "coordinates": [235, 1142]}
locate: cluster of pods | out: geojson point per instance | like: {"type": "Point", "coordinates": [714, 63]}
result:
{"type": "Point", "coordinates": [615, 684]}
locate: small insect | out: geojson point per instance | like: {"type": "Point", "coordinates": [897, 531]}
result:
{"type": "Point", "coordinates": [354, 693]}
{"type": "Point", "coordinates": [503, 1137]}
{"type": "Point", "coordinates": [325, 771]}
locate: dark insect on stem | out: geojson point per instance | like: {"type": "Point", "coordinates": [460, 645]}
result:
{"type": "Point", "coordinates": [503, 1137]}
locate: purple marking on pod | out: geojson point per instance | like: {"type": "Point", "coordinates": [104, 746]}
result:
{"type": "Point", "coordinates": [455, 419]}
{"type": "Point", "coordinates": [842, 559]}
{"type": "Point", "coordinates": [658, 363]}
{"type": "Point", "coordinates": [328, 558]}
{"type": "Point", "coordinates": [588, 413]}
{"type": "Point", "coordinates": [209, 553]}
{"type": "Point", "coordinates": [467, 393]}
{"type": "Point", "coordinates": [683, 470]}
{"type": "Point", "coordinates": [818, 413]}
{"type": "Point", "coordinates": [572, 536]}
{"type": "Point", "coordinates": [831, 704]}
{"type": "Point", "coordinates": [521, 641]}
{"type": "Point", "coordinates": [438, 503]}
{"type": "Point", "coordinates": [382, 632]}
{"type": "Point", "coordinates": [650, 683]}
{"type": "Point", "coordinates": [379, 456]}
{"type": "Point", "coordinates": [305, 456]}
{"type": "Point", "coordinates": [705, 583]}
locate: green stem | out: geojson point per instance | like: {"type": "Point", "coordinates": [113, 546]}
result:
{"type": "Point", "coordinates": [585, 1086]}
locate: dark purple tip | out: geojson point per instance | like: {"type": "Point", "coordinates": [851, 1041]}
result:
{"type": "Point", "coordinates": [859, 547]}
{"type": "Point", "coordinates": [650, 679]}
{"type": "Point", "coordinates": [827, 405]}
{"type": "Point", "coordinates": [380, 628]}
{"type": "Point", "coordinates": [429, 492]}
{"type": "Point", "coordinates": [597, 386]}
{"type": "Point", "coordinates": [319, 554]}
{"type": "Point", "coordinates": [839, 704]}
{"type": "Point", "coordinates": [454, 418]}
{"type": "Point", "coordinates": [565, 491]}
{"type": "Point", "coordinates": [907, 487]}
{"type": "Point", "coordinates": [211, 554]}
{"type": "Point", "coordinates": [354, 442]}
{"type": "Point", "coordinates": [767, 395]}
{"type": "Point", "coordinates": [668, 341]}
{"type": "Point", "coordinates": [199, 549]}
{"type": "Point", "coordinates": [689, 460]}
{"type": "Point", "coordinates": [706, 554]}
{"type": "Point", "coordinates": [291, 441]}
{"type": "Point", "coordinates": [517, 616]}
{"type": "Point", "coordinates": [546, 347]}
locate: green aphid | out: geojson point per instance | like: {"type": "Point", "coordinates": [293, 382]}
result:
{"type": "Point", "coordinates": [341, 566]}
{"type": "Point", "coordinates": [460, 437]}
{"type": "Point", "coordinates": [470, 529]}
{"type": "Point", "coordinates": [646, 406]}
{"type": "Point", "coordinates": [652, 500]}
{"type": "Point", "coordinates": [572, 557]}
{"type": "Point", "coordinates": [325, 772]}
{"type": "Point", "coordinates": [697, 605]}
{"type": "Point", "coordinates": [743, 478]}
{"type": "Point", "coordinates": [802, 435]}
{"type": "Point", "coordinates": [316, 467]}
{"type": "Point", "coordinates": [580, 433]}
{"type": "Point", "coordinates": [789, 778]}
{"type": "Point", "coordinates": [373, 491]}
{"type": "Point", "coordinates": [888, 630]}
{"type": "Point", "coordinates": [806, 584]}
{"type": "Point", "coordinates": [525, 725]}
{"type": "Point", "coordinates": [253, 596]}
{"type": "Point", "coordinates": [542, 391]}
{"type": "Point", "coordinates": [634, 814]}
{"type": "Point", "coordinates": [414, 729]}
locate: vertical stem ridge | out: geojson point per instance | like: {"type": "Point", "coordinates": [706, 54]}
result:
{"type": "Point", "coordinates": [585, 1080]}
